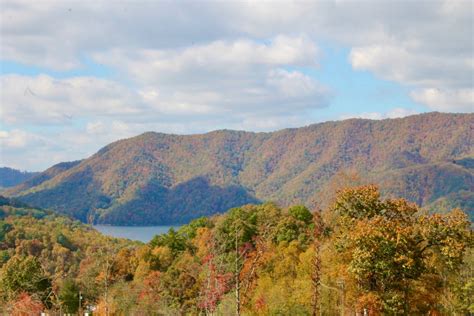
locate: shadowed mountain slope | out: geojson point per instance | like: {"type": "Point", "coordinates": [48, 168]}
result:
{"type": "Point", "coordinates": [157, 178]}
{"type": "Point", "coordinates": [11, 177]}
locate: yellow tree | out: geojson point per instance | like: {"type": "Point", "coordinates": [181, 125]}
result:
{"type": "Point", "coordinates": [389, 250]}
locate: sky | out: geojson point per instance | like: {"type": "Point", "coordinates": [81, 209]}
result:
{"type": "Point", "coordinates": [77, 75]}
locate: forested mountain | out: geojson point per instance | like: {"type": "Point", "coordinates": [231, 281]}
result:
{"type": "Point", "coordinates": [10, 177]}
{"type": "Point", "coordinates": [157, 178]}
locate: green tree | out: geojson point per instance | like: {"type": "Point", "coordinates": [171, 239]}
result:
{"type": "Point", "coordinates": [69, 296]}
{"type": "Point", "coordinates": [301, 213]}
{"type": "Point", "coordinates": [4, 229]}
{"type": "Point", "coordinates": [24, 274]}
{"type": "Point", "coordinates": [238, 226]}
{"type": "Point", "coordinates": [175, 241]}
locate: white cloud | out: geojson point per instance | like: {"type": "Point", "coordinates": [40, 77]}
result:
{"type": "Point", "coordinates": [258, 93]}
{"type": "Point", "coordinates": [117, 128]}
{"type": "Point", "coordinates": [17, 146]}
{"type": "Point", "coordinates": [443, 84]}
{"type": "Point", "coordinates": [15, 139]}
{"type": "Point", "coordinates": [243, 78]}
{"type": "Point", "coordinates": [226, 76]}
{"type": "Point", "coordinates": [212, 61]}
{"type": "Point", "coordinates": [45, 100]}
{"type": "Point", "coordinates": [457, 100]}
{"type": "Point", "coordinates": [56, 33]}
{"type": "Point", "coordinates": [394, 113]}
{"type": "Point", "coordinates": [432, 55]}
{"type": "Point", "coordinates": [421, 44]}
{"type": "Point", "coordinates": [400, 112]}
{"type": "Point", "coordinates": [398, 63]}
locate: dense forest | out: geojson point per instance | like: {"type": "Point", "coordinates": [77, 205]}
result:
{"type": "Point", "coordinates": [161, 179]}
{"type": "Point", "coordinates": [10, 177]}
{"type": "Point", "coordinates": [361, 254]}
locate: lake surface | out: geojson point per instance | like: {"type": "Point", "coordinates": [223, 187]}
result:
{"type": "Point", "coordinates": [141, 233]}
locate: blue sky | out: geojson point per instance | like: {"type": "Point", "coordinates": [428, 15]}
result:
{"type": "Point", "coordinates": [77, 76]}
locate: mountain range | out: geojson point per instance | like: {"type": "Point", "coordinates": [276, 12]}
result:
{"type": "Point", "coordinates": [11, 177]}
{"type": "Point", "coordinates": [157, 178]}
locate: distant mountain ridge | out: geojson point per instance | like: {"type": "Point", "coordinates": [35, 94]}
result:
{"type": "Point", "coordinates": [10, 177]}
{"type": "Point", "coordinates": [44, 176]}
{"type": "Point", "coordinates": [157, 178]}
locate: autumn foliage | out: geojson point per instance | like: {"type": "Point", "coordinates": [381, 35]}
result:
{"type": "Point", "coordinates": [362, 254]}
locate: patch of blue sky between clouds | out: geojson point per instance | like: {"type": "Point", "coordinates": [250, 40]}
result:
{"type": "Point", "coordinates": [88, 68]}
{"type": "Point", "coordinates": [354, 92]}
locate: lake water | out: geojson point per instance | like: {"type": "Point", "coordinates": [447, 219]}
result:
{"type": "Point", "coordinates": [141, 233]}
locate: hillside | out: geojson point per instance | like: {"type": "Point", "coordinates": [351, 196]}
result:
{"type": "Point", "coordinates": [42, 252]}
{"type": "Point", "coordinates": [157, 178]}
{"type": "Point", "coordinates": [275, 259]}
{"type": "Point", "coordinates": [11, 177]}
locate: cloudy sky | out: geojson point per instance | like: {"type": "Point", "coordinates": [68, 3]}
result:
{"type": "Point", "coordinates": [76, 75]}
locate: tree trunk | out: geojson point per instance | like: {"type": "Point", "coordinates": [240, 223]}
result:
{"type": "Point", "coordinates": [237, 281]}
{"type": "Point", "coordinates": [316, 271]}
